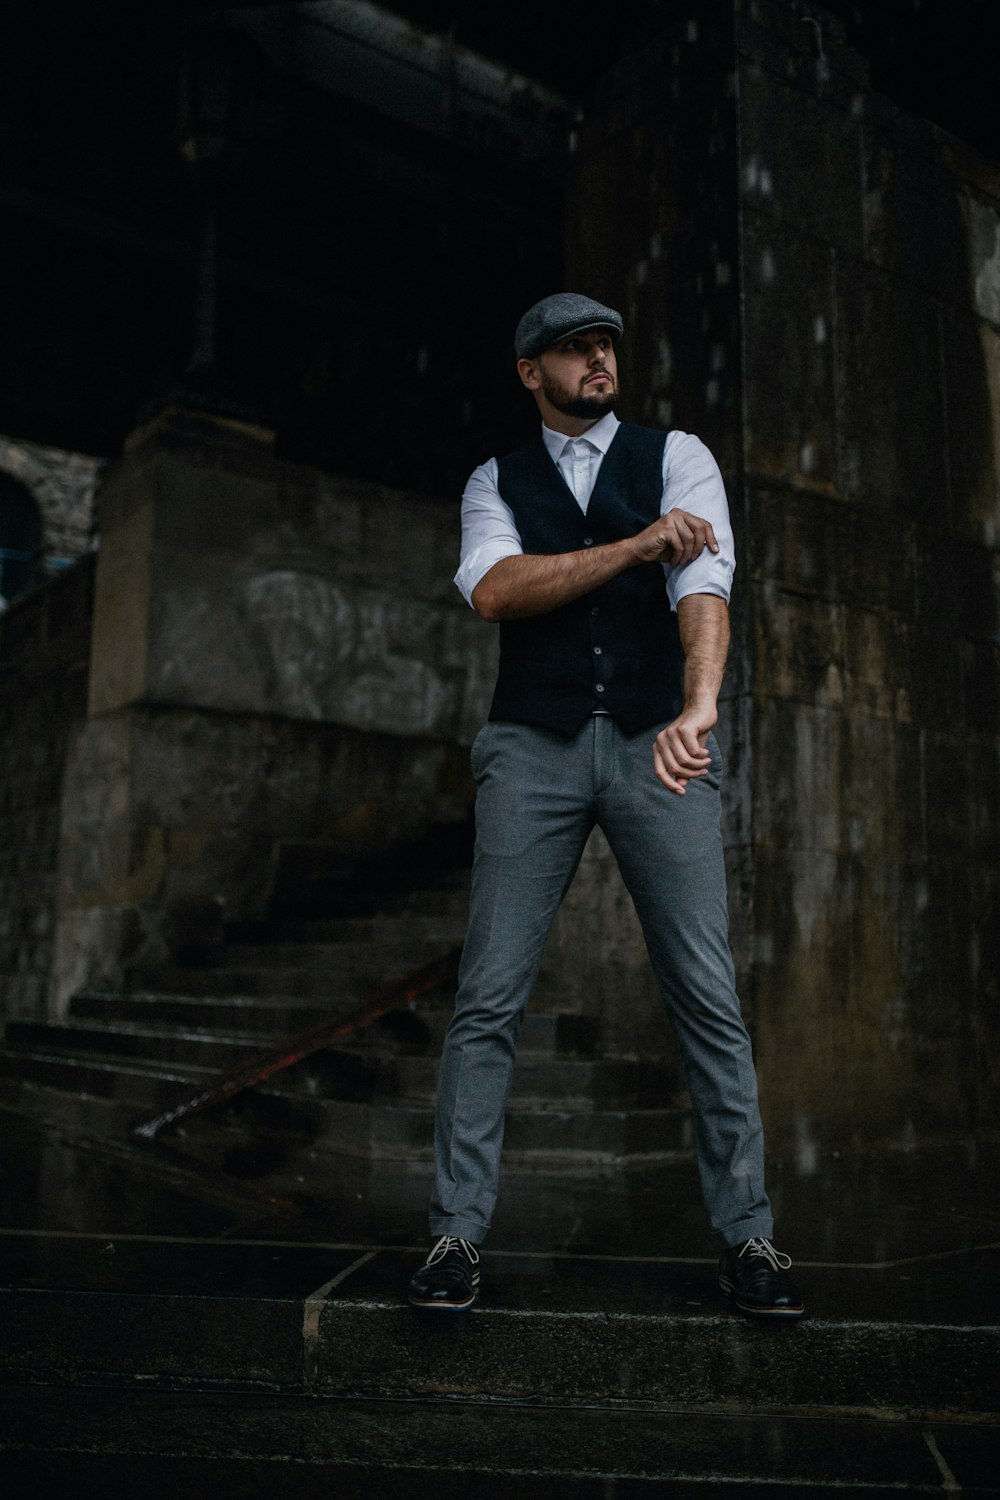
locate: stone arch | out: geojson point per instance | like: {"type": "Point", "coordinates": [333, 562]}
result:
{"type": "Point", "coordinates": [63, 486]}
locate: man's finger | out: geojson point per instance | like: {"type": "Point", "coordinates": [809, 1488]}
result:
{"type": "Point", "coordinates": [698, 533]}
{"type": "Point", "coordinates": [672, 782]}
{"type": "Point", "coordinates": [683, 752]}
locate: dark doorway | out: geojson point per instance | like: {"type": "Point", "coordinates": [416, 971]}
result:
{"type": "Point", "coordinates": [20, 539]}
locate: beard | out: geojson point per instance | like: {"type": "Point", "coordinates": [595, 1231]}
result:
{"type": "Point", "coordinates": [586, 407]}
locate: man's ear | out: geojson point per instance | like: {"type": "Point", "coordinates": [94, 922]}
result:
{"type": "Point", "coordinates": [528, 371]}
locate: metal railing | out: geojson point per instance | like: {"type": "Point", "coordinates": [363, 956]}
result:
{"type": "Point", "coordinates": [264, 1065]}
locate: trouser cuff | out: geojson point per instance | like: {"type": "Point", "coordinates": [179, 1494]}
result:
{"type": "Point", "coordinates": [738, 1234]}
{"type": "Point", "coordinates": [462, 1229]}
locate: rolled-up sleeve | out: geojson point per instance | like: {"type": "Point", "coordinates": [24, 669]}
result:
{"type": "Point", "coordinates": [691, 480]}
{"type": "Point", "coordinates": [489, 532]}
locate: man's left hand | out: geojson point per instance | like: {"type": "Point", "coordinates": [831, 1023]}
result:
{"type": "Point", "coordinates": [680, 752]}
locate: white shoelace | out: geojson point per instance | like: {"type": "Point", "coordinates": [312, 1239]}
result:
{"type": "Point", "coordinates": [448, 1242]}
{"type": "Point", "coordinates": [766, 1251]}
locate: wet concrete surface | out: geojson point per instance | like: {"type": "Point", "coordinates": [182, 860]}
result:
{"type": "Point", "coordinates": [182, 1332]}
{"type": "Point", "coordinates": [865, 1208]}
{"type": "Point", "coordinates": [169, 1445]}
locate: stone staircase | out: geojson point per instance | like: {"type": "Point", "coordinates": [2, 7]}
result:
{"type": "Point", "coordinates": [252, 1369]}
{"type": "Point", "coordinates": [222, 1311]}
{"type": "Point", "coordinates": [362, 1108]}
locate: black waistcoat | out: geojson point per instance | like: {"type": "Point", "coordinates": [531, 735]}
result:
{"type": "Point", "coordinates": [616, 648]}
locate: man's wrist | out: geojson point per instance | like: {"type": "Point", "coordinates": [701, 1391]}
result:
{"type": "Point", "coordinates": [703, 705]}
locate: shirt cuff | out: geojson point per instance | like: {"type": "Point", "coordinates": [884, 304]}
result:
{"type": "Point", "coordinates": [700, 577]}
{"type": "Point", "coordinates": [478, 563]}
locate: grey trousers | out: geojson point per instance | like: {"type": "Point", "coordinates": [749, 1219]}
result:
{"type": "Point", "coordinates": [539, 796]}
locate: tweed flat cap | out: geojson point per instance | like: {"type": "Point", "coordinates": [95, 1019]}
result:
{"type": "Point", "coordinates": [559, 316]}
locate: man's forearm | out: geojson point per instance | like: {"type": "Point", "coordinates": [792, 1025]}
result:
{"type": "Point", "coordinates": [527, 584]}
{"type": "Point", "coordinates": [680, 752]}
{"type": "Point", "coordinates": [704, 627]}
{"type": "Point", "coordinates": [532, 585]}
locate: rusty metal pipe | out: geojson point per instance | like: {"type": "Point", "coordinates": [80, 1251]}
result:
{"type": "Point", "coordinates": [264, 1065]}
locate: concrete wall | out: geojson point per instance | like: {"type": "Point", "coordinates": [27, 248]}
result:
{"type": "Point", "coordinates": [870, 277]}
{"type": "Point", "coordinates": [827, 317]}
{"type": "Point", "coordinates": [279, 657]}
{"type": "Point", "coordinates": [44, 650]}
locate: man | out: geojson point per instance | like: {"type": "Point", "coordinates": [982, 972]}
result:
{"type": "Point", "coordinates": [604, 552]}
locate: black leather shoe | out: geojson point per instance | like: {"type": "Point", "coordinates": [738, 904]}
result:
{"type": "Point", "coordinates": [449, 1277]}
{"type": "Point", "coordinates": [756, 1276]}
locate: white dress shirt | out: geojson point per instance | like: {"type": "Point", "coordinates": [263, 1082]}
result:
{"type": "Point", "coordinates": [691, 480]}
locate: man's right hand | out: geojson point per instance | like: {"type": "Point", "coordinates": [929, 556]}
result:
{"type": "Point", "coordinates": [675, 538]}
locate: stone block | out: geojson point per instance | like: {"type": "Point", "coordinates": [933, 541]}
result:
{"type": "Point", "coordinates": [972, 390]}
{"type": "Point", "coordinates": [962, 794]}
{"type": "Point", "coordinates": [93, 947]}
{"type": "Point", "coordinates": [982, 238]}
{"type": "Point", "coordinates": [956, 592]}
{"type": "Point", "coordinates": [880, 662]}
{"type": "Point", "coordinates": [741, 881]}
{"type": "Point", "coordinates": [935, 679]}
{"type": "Point", "coordinates": [952, 993]}
{"type": "Point", "coordinates": [172, 811]}
{"type": "Point", "coordinates": [842, 1043]}
{"type": "Point", "coordinates": [120, 633]}
{"type": "Point", "coordinates": [651, 226]}
{"type": "Point", "coordinates": [808, 50]}
{"type": "Point", "coordinates": [734, 734]}
{"type": "Point", "coordinates": [810, 544]}
{"type": "Point", "coordinates": [890, 396]}
{"type": "Point", "coordinates": [798, 648]}
{"type": "Point", "coordinates": [799, 153]}
{"type": "Point", "coordinates": [470, 651]}
{"type": "Point", "coordinates": [913, 208]}
{"type": "Point", "coordinates": [240, 583]}
{"type": "Point", "coordinates": [980, 667]}
{"type": "Point", "coordinates": [881, 790]}
{"type": "Point", "coordinates": [797, 780]}
{"type": "Point", "coordinates": [788, 330]}
{"type": "Point", "coordinates": [821, 779]}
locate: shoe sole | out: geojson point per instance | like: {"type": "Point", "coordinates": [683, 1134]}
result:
{"type": "Point", "coordinates": [729, 1290]}
{"type": "Point", "coordinates": [444, 1306]}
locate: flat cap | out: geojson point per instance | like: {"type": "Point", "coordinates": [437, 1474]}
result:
{"type": "Point", "coordinates": [558, 317]}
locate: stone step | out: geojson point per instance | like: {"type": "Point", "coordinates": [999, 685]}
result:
{"type": "Point", "coordinates": [558, 1033]}
{"type": "Point", "coordinates": [177, 1045]}
{"type": "Point", "coordinates": [271, 1153]}
{"type": "Point", "coordinates": [441, 929]}
{"type": "Point", "coordinates": [395, 1128]}
{"type": "Point", "coordinates": [360, 1072]}
{"type": "Point", "coordinates": [268, 1016]}
{"type": "Point", "coordinates": [163, 1444]}
{"type": "Point", "coordinates": [896, 1343]}
{"type": "Point", "coordinates": [314, 878]}
{"type": "Point", "coordinates": [358, 974]}
{"type": "Point", "coordinates": [342, 956]}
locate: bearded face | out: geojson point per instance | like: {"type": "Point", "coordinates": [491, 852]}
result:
{"type": "Point", "coordinates": [579, 376]}
{"type": "Point", "coordinates": [589, 401]}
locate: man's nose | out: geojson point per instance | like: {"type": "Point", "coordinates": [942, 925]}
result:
{"type": "Point", "coordinates": [597, 354]}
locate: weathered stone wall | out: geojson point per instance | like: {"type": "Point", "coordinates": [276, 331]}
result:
{"type": "Point", "coordinates": [278, 656]}
{"type": "Point", "coordinates": [871, 293]}
{"type": "Point", "coordinates": [812, 283]}
{"type": "Point", "coordinates": [243, 583]}
{"type": "Point", "coordinates": [44, 647]}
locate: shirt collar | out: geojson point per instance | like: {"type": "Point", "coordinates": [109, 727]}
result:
{"type": "Point", "coordinates": [601, 435]}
